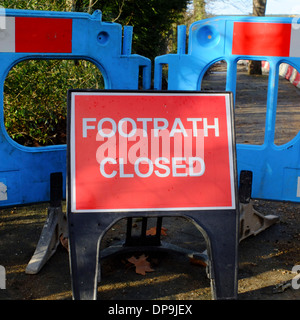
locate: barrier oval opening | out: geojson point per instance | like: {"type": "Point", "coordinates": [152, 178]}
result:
{"type": "Point", "coordinates": [250, 105]}
{"type": "Point", "coordinates": [214, 78]}
{"type": "Point", "coordinates": [35, 103]}
{"type": "Point", "coordinates": [288, 104]}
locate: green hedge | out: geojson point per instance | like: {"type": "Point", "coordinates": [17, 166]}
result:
{"type": "Point", "coordinates": [35, 98]}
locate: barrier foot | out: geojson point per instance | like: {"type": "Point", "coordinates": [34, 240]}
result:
{"type": "Point", "coordinates": [55, 225]}
{"type": "Point", "coordinates": [253, 222]}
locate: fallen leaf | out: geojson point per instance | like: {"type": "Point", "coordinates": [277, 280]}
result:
{"type": "Point", "coordinates": [197, 262]}
{"type": "Point", "coordinates": [152, 231]}
{"type": "Point", "coordinates": [141, 264]}
{"type": "Point", "coordinates": [64, 241]}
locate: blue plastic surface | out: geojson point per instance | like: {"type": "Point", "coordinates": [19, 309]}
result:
{"type": "Point", "coordinates": [276, 169]}
{"type": "Point", "coordinates": [25, 171]}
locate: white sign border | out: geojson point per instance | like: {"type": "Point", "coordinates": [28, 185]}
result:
{"type": "Point", "coordinates": [72, 179]}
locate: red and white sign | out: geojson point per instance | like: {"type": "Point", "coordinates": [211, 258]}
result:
{"type": "Point", "coordinates": [266, 39]}
{"type": "Point", "coordinates": [31, 34]}
{"type": "Point", "coordinates": [150, 151]}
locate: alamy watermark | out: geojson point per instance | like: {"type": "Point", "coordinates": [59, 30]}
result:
{"type": "Point", "coordinates": [296, 279]}
{"type": "Point", "coordinates": [2, 277]}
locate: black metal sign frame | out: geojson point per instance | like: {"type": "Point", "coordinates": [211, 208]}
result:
{"type": "Point", "coordinates": [86, 229]}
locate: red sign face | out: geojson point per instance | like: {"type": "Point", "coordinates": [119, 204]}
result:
{"type": "Point", "coordinates": [150, 152]}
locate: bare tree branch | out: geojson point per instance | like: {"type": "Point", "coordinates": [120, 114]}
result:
{"type": "Point", "coordinates": [120, 11]}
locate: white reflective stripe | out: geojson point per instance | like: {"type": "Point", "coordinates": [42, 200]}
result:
{"type": "Point", "coordinates": [7, 35]}
{"type": "Point", "coordinates": [295, 42]}
{"type": "Point", "coordinates": [298, 188]}
{"type": "Point", "coordinates": [3, 192]}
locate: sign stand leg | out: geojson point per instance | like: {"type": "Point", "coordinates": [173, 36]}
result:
{"type": "Point", "coordinates": [84, 267]}
{"type": "Point", "coordinates": [220, 228]}
{"type": "Point", "coordinates": [84, 250]}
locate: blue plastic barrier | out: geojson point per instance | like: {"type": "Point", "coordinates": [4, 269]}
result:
{"type": "Point", "coordinates": [25, 171]}
{"type": "Point", "coordinates": [275, 169]}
